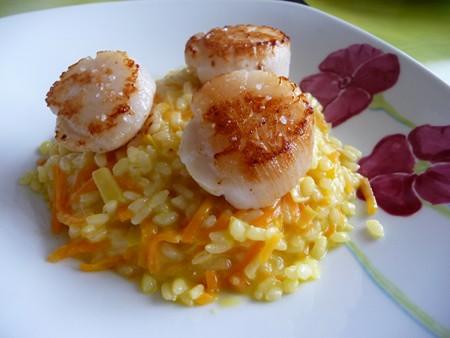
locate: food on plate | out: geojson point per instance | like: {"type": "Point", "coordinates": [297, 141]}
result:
{"type": "Point", "coordinates": [101, 102]}
{"type": "Point", "coordinates": [249, 47]}
{"type": "Point", "coordinates": [250, 138]}
{"type": "Point", "coordinates": [126, 200]}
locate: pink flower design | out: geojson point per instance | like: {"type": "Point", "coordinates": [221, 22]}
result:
{"type": "Point", "coordinates": [349, 78]}
{"type": "Point", "coordinates": [402, 169]}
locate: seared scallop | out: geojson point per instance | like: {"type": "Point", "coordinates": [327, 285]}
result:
{"type": "Point", "coordinates": [101, 102]}
{"type": "Point", "coordinates": [249, 47]}
{"type": "Point", "coordinates": [250, 139]}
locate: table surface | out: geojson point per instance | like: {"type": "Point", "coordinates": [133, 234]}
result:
{"type": "Point", "coordinates": [419, 28]}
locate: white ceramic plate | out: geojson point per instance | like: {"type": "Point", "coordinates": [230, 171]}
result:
{"type": "Point", "coordinates": [38, 299]}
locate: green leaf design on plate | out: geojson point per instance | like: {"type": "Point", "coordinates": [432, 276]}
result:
{"type": "Point", "coordinates": [380, 103]}
{"type": "Point", "coordinates": [398, 295]}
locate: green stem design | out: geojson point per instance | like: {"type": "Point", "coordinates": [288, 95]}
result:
{"type": "Point", "coordinates": [442, 209]}
{"type": "Point", "coordinates": [398, 295]}
{"type": "Point", "coordinates": [380, 103]}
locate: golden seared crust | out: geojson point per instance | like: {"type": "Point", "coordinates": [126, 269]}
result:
{"type": "Point", "coordinates": [239, 40]}
{"type": "Point", "coordinates": [261, 129]}
{"type": "Point", "coordinates": [68, 105]}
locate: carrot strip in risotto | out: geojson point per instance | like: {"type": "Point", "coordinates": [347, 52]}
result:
{"type": "Point", "coordinates": [85, 173]}
{"type": "Point", "coordinates": [268, 248]}
{"type": "Point", "coordinates": [367, 192]}
{"type": "Point", "coordinates": [86, 186]}
{"type": "Point", "coordinates": [123, 214]}
{"type": "Point", "coordinates": [153, 247]}
{"type": "Point", "coordinates": [75, 247]}
{"type": "Point", "coordinates": [222, 222]}
{"type": "Point", "coordinates": [205, 298]}
{"type": "Point", "coordinates": [212, 281]}
{"type": "Point", "coordinates": [60, 197]}
{"type": "Point", "coordinates": [127, 183]}
{"type": "Point", "coordinates": [251, 253]}
{"type": "Point", "coordinates": [194, 225]}
{"type": "Point", "coordinates": [104, 264]}
{"type": "Point", "coordinates": [265, 218]}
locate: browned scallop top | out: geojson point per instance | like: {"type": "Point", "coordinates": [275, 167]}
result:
{"type": "Point", "coordinates": [91, 83]}
{"type": "Point", "coordinates": [239, 39]}
{"type": "Point", "coordinates": [260, 129]}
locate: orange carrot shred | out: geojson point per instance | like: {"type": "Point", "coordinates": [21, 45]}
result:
{"type": "Point", "coordinates": [57, 226]}
{"type": "Point", "coordinates": [74, 248]}
{"type": "Point", "coordinates": [85, 173]}
{"type": "Point", "coordinates": [212, 281]}
{"type": "Point", "coordinates": [126, 183]}
{"type": "Point", "coordinates": [104, 264]}
{"type": "Point", "coordinates": [194, 225]}
{"type": "Point", "coordinates": [263, 220]}
{"type": "Point", "coordinates": [268, 248]}
{"type": "Point", "coordinates": [86, 186]}
{"type": "Point", "coordinates": [123, 214]}
{"type": "Point", "coordinates": [331, 229]}
{"type": "Point", "coordinates": [205, 298]}
{"type": "Point", "coordinates": [251, 253]}
{"type": "Point", "coordinates": [153, 246]}
{"type": "Point", "coordinates": [148, 229]}
{"type": "Point", "coordinates": [294, 208]}
{"type": "Point", "coordinates": [60, 198]}
{"type": "Point", "coordinates": [69, 219]}
{"type": "Point", "coordinates": [367, 192]}
{"type": "Point", "coordinates": [222, 222]}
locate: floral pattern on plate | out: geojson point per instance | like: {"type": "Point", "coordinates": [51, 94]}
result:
{"type": "Point", "coordinates": [404, 168]}
{"type": "Point", "coordinates": [349, 78]}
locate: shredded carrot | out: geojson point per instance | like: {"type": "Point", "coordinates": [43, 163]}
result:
{"type": "Point", "coordinates": [240, 214]}
{"type": "Point", "coordinates": [334, 156]}
{"type": "Point", "coordinates": [243, 282]}
{"type": "Point", "coordinates": [41, 161]}
{"type": "Point", "coordinates": [293, 207]}
{"type": "Point", "coordinates": [205, 298]}
{"type": "Point", "coordinates": [331, 229]}
{"type": "Point", "coordinates": [307, 214]}
{"type": "Point", "coordinates": [212, 281]}
{"type": "Point", "coordinates": [222, 222]}
{"type": "Point", "coordinates": [126, 183]}
{"type": "Point", "coordinates": [251, 253]}
{"type": "Point", "coordinates": [104, 264]}
{"type": "Point", "coordinates": [86, 186]}
{"type": "Point", "coordinates": [123, 214]}
{"type": "Point", "coordinates": [60, 202]}
{"type": "Point", "coordinates": [152, 254]}
{"type": "Point", "coordinates": [74, 248]}
{"type": "Point", "coordinates": [268, 248]}
{"type": "Point", "coordinates": [85, 173]}
{"type": "Point", "coordinates": [57, 227]}
{"type": "Point", "coordinates": [147, 230]}
{"type": "Point", "coordinates": [194, 225]}
{"type": "Point", "coordinates": [267, 216]}
{"type": "Point", "coordinates": [367, 192]}
{"type": "Point", "coordinates": [111, 158]}
{"type": "Point", "coordinates": [69, 219]}
{"type": "Point", "coordinates": [331, 173]}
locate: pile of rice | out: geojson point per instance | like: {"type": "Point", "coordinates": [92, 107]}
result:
{"type": "Point", "coordinates": [137, 211]}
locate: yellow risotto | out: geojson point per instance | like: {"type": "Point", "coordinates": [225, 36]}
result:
{"type": "Point", "coordinates": [137, 211]}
